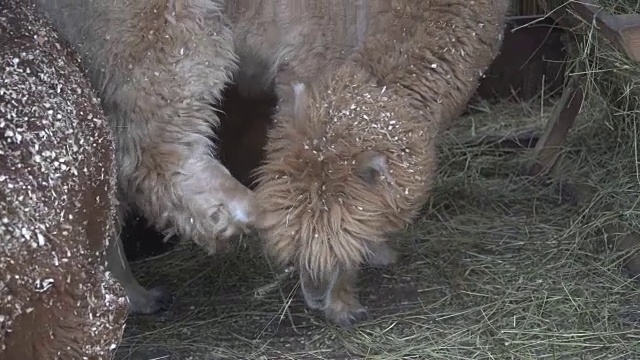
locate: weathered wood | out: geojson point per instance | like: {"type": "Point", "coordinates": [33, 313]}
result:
{"type": "Point", "coordinates": [563, 116]}
{"type": "Point", "coordinates": [532, 60]}
{"type": "Point", "coordinates": [622, 31]}
{"type": "Point", "coordinates": [526, 7]}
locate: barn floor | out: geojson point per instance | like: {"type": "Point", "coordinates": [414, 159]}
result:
{"type": "Point", "coordinates": [499, 267]}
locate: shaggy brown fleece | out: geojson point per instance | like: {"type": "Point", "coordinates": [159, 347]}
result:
{"type": "Point", "coordinates": [57, 200]}
{"type": "Point", "coordinates": [160, 67]}
{"type": "Point", "coordinates": [351, 157]}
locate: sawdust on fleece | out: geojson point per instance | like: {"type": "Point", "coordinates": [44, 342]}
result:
{"type": "Point", "coordinates": [57, 200]}
{"type": "Point", "coordinates": [315, 163]}
{"type": "Point", "coordinates": [375, 119]}
{"type": "Point", "coordinates": [390, 98]}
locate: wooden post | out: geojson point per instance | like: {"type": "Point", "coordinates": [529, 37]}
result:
{"type": "Point", "coordinates": [563, 116]}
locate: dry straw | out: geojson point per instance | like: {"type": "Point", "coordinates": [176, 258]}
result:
{"type": "Point", "coordinates": [499, 267]}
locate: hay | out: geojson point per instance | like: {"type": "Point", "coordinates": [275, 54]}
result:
{"type": "Point", "coordinates": [620, 7]}
{"type": "Point", "coordinates": [499, 267]}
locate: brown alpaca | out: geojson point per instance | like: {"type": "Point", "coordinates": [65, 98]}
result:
{"type": "Point", "coordinates": [159, 67]}
{"type": "Point", "coordinates": [352, 154]}
{"type": "Point", "coordinates": [57, 200]}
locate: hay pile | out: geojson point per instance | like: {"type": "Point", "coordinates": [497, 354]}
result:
{"type": "Point", "coordinates": [499, 267]}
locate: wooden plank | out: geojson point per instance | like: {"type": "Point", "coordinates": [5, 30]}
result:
{"type": "Point", "coordinates": [622, 31]}
{"type": "Point", "coordinates": [562, 118]}
{"type": "Point", "coordinates": [526, 8]}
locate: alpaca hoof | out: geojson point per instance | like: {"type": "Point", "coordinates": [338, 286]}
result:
{"type": "Point", "coordinates": [348, 318]}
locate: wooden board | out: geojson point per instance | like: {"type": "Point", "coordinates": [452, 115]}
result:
{"type": "Point", "coordinates": [623, 31]}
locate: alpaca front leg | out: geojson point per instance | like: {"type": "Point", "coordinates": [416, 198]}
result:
{"type": "Point", "coordinates": [344, 308]}
{"type": "Point", "coordinates": [141, 299]}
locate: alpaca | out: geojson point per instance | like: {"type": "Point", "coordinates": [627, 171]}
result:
{"type": "Point", "coordinates": [57, 200]}
{"type": "Point", "coordinates": [364, 88]}
{"type": "Point", "coordinates": [159, 68]}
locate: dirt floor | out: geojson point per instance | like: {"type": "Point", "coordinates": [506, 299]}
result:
{"type": "Point", "coordinates": [500, 266]}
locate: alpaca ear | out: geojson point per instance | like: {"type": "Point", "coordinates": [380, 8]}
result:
{"type": "Point", "coordinates": [300, 99]}
{"type": "Point", "coordinates": [371, 166]}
